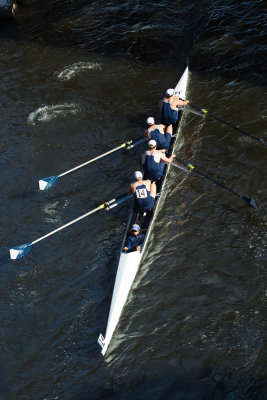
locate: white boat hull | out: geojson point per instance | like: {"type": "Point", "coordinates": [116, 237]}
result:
{"type": "Point", "coordinates": [127, 269]}
{"type": "Point", "coordinates": [129, 262]}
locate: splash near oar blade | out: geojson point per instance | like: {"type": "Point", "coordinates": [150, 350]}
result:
{"type": "Point", "coordinates": [47, 183]}
{"type": "Point", "coordinates": [19, 251]}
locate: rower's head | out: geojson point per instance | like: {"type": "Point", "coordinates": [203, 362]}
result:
{"type": "Point", "coordinates": [138, 176]}
{"type": "Point", "coordinates": [152, 144]}
{"type": "Point", "coordinates": [150, 121]}
{"type": "Point", "coordinates": [135, 229]}
{"type": "Point", "coordinates": [169, 92]}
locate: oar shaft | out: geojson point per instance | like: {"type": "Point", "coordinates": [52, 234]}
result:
{"type": "Point", "coordinates": [47, 183]}
{"type": "Point", "coordinates": [20, 251]}
{"type": "Point", "coordinates": [69, 223]}
{"type": "Point", "coordinates": [192, 168]}
{"type": "Point", "coordinates": [93, 159]}
{"type": "Point", "coordinates": [129, 144]}
{"type": "Point", "coordinates": [105, 205]}
{"type": "Point", "coordinates": [217, 182]}
{"type": "Point", "coordinates": [206, 112]}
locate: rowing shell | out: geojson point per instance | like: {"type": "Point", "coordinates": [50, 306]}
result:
{"type": "Point", "coordinates": [129, 262]}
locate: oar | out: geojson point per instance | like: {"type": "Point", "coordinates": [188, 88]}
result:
{"type": "Point", "coordinates": [251, 202]}
{"type": "Point", "coordinates": [20, 251]}
{"type": "Point", "coordinates": [206, 112]}
{"type": "Point", "coordinates": [47, 183]}
{"type": "Point", "coordinates": [191, 110]}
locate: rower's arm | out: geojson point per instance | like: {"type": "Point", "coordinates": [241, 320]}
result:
{"type": "Point", "coordinates": [169, 129]}
{"type": "Point", "coordinates": [147, 134]}
{"type": "Point", "coordinates": [180, 102]}
{"type": "Point", "coordinates": [165, 159]}
{"type": "Point", "coordinates": [129, 189]}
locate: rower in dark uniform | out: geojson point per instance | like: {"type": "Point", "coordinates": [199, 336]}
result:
{"type": "Point", "coordinates": [144, 192]}
{"type": "Point", "coordinates": [157, 133]}
{"type": "Point", "coordinates": [153, 161]}
{"type": "Point", "coordinates": [135, 239]}
{"type": "Point", "coordinates": [169, 108]}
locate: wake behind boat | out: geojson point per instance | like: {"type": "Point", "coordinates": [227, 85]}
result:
{"type": "Point", "coordinates": [129, 262]}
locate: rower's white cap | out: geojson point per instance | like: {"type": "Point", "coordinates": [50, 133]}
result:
{"type": "Point", "coordinates": [169, 92]}
{"type": "Point", "coordinates": [150, 121]}
{"type": "Point", "coordinates": [138, 175]}
{"type": "Point", "coordinates": [135, 227]}
{"type": "Point", "coordinates": [152, 143]}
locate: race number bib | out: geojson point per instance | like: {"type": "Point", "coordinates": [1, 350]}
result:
{"type": "Point", "coordinates": [141, 193]}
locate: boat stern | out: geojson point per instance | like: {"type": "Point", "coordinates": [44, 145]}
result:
{"type": "Point", "coordinates": [127, 269]}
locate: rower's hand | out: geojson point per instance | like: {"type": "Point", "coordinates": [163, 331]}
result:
{"type": "Point", "coordinates": [125, 248]}
{"type": "Point", "coordinates": [138, 248]}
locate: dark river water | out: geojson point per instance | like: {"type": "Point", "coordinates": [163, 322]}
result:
{"type": "Point", "coordinates": [77, 79]}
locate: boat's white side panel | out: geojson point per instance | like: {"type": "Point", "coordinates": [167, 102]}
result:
{"type": "Point", "coordinates": [128, 266]}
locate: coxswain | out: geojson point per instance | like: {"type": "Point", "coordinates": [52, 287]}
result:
{"type": "Point", "coordinates": [154, 160]}
{"type": "Point", "coordinates": [144, 192]}
{"type": "Point", "coordinates": [169, 107]}
{"type": "Point", "coordinates": [135, 239]}
{"type": "Point", "coordinates": [159, 134]}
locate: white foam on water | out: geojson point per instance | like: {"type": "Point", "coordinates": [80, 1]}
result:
{"type": "Point", "coordinates": [71, 71]}
{"type": "Point", "coordinates": [47, 113]}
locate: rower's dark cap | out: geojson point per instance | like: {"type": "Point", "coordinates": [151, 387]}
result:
{"type": "Point", "coordinates": [135, 227]}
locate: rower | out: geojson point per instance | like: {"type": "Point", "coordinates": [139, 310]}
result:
{"type": "Point", "coordinates": [144, 192]}
{"type": "Point", "coordinates": [135, 239]}
{"type": "Point", "coordinates": [157, 133]}
{"type": "Point", "coordinates": [169, 107]}
{"type": "Point", "coordinates": [154, 160]}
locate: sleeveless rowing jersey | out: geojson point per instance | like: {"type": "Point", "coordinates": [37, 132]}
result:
{"type": "Point", "coordinates": [153, 168]}
{"type": "Point", "coordinates": [163, 139]}
{"type": "Point", "coordinates": [142, 199]}
{"type": "Point", "coordinates": [168, 115]}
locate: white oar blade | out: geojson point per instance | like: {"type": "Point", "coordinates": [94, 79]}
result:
{"type": "Point", "coordinates": [19, 251]}
{"type": "Point", "coordinates": [47, 183]}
